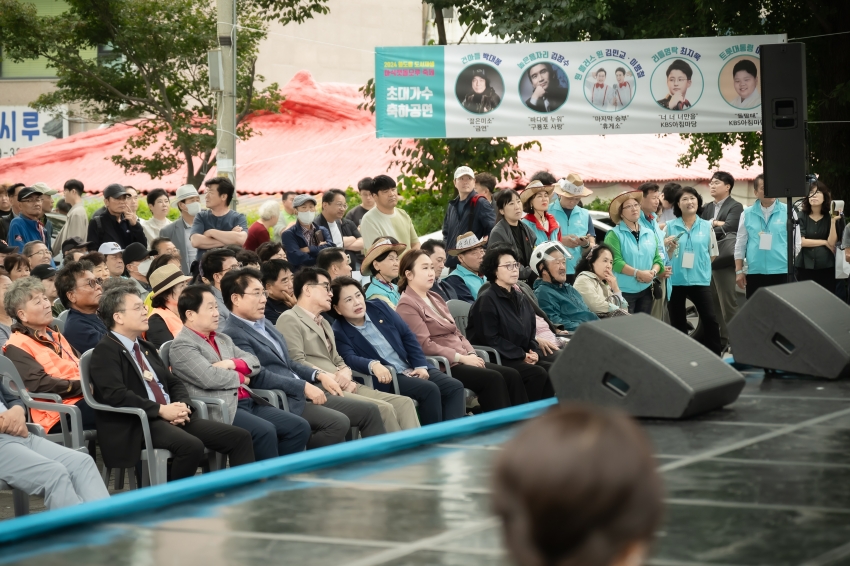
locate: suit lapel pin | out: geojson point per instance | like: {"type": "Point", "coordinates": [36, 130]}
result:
{"type": "Point", "coordinates": [380, 321]}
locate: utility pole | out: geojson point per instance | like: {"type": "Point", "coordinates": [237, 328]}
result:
{"type": "Point", "coordinates": [226, 119]}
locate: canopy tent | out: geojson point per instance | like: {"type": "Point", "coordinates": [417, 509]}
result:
{"type": "Point", "coordinates": [320, 140]}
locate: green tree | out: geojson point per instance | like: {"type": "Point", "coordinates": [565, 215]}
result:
{"type": "Point", "coordinates": [827, 58]}
{"type": "Point", "coordinates": [151, 71]}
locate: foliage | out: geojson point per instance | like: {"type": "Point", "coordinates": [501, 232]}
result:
{"type": "Point", "coordinates": [598, 204]}
{"type": "Point", "coordinates": [582, 20]}
{"type": "Point", "coordinates": [151, 70]}
{"type": "Point", "coordinates": [93, 205]}
{"type": "Point", "coordinates": [292, 11]}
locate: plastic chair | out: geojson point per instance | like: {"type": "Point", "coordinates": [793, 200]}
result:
{"type": "Point", "coordinates": [460, 313]}
{"type": "Point", "coordinates": [63, 316]}
{"type": "Point", "coordinates": [60, 324]}
{"type": "Point", "coordinates": [441, 362]}
{"type": "Point", "coordinates": [154, 460]}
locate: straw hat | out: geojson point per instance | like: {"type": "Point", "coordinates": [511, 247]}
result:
{"type": "Point", "coordinates": [165, 278]}
{"type": "Point", "coordinates": [617, 204]}
{"type": "Point", "coordinates": [381, 246]}
{"type": "Point", "coordinates": [533, 188]}
{"type": "Point", "coordinates": [572, 186]}
{"type": "Point", "coordinates": [466, 242]}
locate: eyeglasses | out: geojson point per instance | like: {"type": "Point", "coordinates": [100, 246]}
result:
{"type": "Point", "coordinates": [631, 207]}
{"type": "Point", "coordinates": [258, 294]}
{"type": "Point", "coordinates": [138, 308]}
{"type": "Point", "coordinates": [326, 286]}
{"type": "Point", "coordinates": [93, 283]}
{"type": "Point", "coordinates": [40, 252]}
{"type": "Point", "coordinates": [234, 267]}
{"type": "Point", "coordinates": [510, 266]}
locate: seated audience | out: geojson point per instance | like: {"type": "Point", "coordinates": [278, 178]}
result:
{"type": "Point", "coordinates": [38, 466]}
{"type": "Point", "coordinates": [588, 470]}
{"type": "Point", "coordinates": [214, 266]}
{"type": "Point", "coordinates": [135, 257]}
{"type": "Point", "coordinates": [165, 322]}
{"type": "Point", "coordinates": [98, 263]}
{"type": "Point", "coordinates": [41, 354]}
{"type": "Point", "coordinates": [16, 266]}
{"type": "Point", "coordinates": [79, 291]}
{"type": "Point", "coordinates": [47, 276]}
{"type": "Point", "coordinates": [163, 260]}
{"type": "Point", "coordinates": [163, 246]}
{"type": "Point", "coordinates": [37, 254]}
{"type": "Point", "coordinates": [511, 230]}
{"type": "Point", "coordinates": [6, 321]}
{"type": "Point", "coordinates": [270, 250]}
{"type": "Point", "coordinates": [311, 342]}
{"type": "Point", "coordinates": [464, 279]}
{"type": "Point", "coordinates": [128, 372]}
{"type": "Point", "coordinates": [211, 366]}
{"type": "Point", "coordinates": [436, 250]}
{"type": "Point", "coordinates": [335, 261]}
{"type": "Point", "coordinates": [561, 303]}
{"type": "Point", "coordinates": [277, 281]}
{"type": "Point", "coordinates": [597, 284]}
{"type": "Point", "coordinates": [258, 233]}
{"type": "Point", "coordinates": [114, 258]}
{"type": "Point", "coordinates": [428, 317]}
{"type": "Point", "coordinates": [372, 349]}
{"type": "Point", "coordinates": [305, 239]}
{"type": "Point", "coordinates": [312, 394]}
{"type": "Point", "coordinates": [247, 258]}
{"type": "Point", "coordinates": [381, 263]}
{"type": "Point", "coordinates": [503, 319]}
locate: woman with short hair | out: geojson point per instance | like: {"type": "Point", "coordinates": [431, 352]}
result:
{"type": "Point", "coordinates": [535, 204]}
{"type": "Point", "coordinates": [17, 266]}
{"type": "Point", "coordinates": [270, 250]}
{"type": "Point", "coordinates": [597, 284]}
{"type": "Point", "coordinates": [159, 205]}
{"type": "Point", "coordinates": [258, 232]}
{"type": "Point", "coordinates": [511, 230]}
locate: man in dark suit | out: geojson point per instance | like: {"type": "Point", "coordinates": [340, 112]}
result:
{"type": "Point", "coordinates": [371, 337]}
{"type": "Point", "coordinates": [329, 413]}
{"type": "Point", "coordinates": [724, 214]}
{"type": "Point", "coordinates": [128, 372]}
{"type": "Point", "coordinates": [547, 95]}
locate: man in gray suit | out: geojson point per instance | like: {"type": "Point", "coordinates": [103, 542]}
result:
{"type": "Point", "coordinates": [188, 202]}
{"type": "Point", "coordinates": [724, 214]}
{"type": "Point", "coordinates": [329, 413]}
{"type": "Point", "coordinates": [211, 366]}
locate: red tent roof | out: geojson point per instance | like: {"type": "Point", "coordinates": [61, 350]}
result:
{"type": "Point", "coordinates": [321, 140]}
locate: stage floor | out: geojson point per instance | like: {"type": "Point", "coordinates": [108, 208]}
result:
{"type": "Point", "coordinates": [763, 481]}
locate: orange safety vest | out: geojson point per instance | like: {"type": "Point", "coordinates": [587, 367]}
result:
{"type": "Point", "coordinates": [172, 321]}
{"type": "Point", "coordinates": [58, 360]}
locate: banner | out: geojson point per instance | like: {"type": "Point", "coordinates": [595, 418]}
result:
{"type": "Point", "coordinates": [21, 126]}
{"type": "Point", "coordinates": [704, 84]}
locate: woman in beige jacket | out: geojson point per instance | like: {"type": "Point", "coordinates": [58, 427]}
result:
{"type": "Point", "coordinates": [597, 284]}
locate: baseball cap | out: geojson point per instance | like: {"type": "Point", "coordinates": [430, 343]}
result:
{"type": "Point", "coordinates": [72, 243]}
{"type": "Point", "coordinates": [43, 271]}
{"type": "Point", "coordinates": [113, 191]}
{"type": "Point", "coordinates": [27, 192]}
{"type": "Point", "coordinates": [4, 249]}
{"type": "Point", "coordinates": [464, 170]}
{"type": "Point", "coordinates": [43, 189]}
{"type": "Point", "coordinates": [135, 252]}
{"type": "Point", "coordinates": [303, 199]}
{"type": "Point", "coordinates": [184, 192]}
{"type": "Point", "coordinates": [109, 248]}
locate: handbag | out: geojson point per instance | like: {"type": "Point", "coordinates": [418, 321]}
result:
{"type": "Point", "coordinates": [726, 252]}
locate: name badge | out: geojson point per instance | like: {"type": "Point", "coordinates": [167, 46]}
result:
{"type": "Point", "coordinates": [765, 240]}
{"type": "Point", "coordinates": [688, 260]}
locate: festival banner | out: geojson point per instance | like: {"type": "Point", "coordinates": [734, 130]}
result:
{"type": "Point", "coordinates": [657, 86]}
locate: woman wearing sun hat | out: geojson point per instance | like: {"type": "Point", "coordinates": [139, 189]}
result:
{"type": "Point", "coordinates": [535, 203]}
{"type": "Point", "coordinates": [167, 283]}
{"type": "Point", "coordinates": [636, 258]}
{"type": "Point", "coordinates": [382, 262]}
{"type": "Point", "coordinates": [577, 230]}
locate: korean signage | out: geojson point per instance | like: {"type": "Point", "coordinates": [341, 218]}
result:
{"type": "Point", "coordinates": [21, 126]}
{"type": "Point", "coordinates": [708, 84]}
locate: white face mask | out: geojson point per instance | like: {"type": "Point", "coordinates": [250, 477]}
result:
{"type": "Point", "coordinates": [145, 266]}
{"type": "Point", "coordinates": [193, 208]}
{"type": "Point", "coordinates": [306, 217]}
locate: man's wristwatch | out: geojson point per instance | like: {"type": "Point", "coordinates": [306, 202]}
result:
{"type": "Point", "coordinates": [739, 272]}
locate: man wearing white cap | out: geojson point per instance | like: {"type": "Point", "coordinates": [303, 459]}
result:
{"type": "Point", "coordinates": [468, 212]}
{"type": "Point", "coordinates": [114, 258]}
{"type": "Point", "coordinates": [188, 202]}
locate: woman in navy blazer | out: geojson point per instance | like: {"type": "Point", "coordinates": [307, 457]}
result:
{"type": "Point", "coordinates": [440, 397]}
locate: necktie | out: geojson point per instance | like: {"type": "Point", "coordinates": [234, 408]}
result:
{"type": "Point", "coordinates": [154, 384]}
{"type": "Point", "coordinates": [599, 85]}
{"type": "Point", "coordinates": [624, 85]}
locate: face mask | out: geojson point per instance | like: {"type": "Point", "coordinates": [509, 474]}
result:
{"type": "Point", "coordinates": [306, 217]}
{"type": "Point", "coordinates": [193, 208]}
{"type": "Point", "coordinates": [145, 266]}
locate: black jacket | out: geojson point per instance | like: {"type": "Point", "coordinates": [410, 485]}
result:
{"type": "Point", "coordinates": [346, 228]}
{"type": "Point", "coordinates": [118, 383]}
{"type": "Point", "coordinates": [474, 215]}
{"type": "Point", "coordinates": [730, 215]}
{"type": "Point", "coordinates": [103, 227]}
{"type": "Point", "coordinates": [504, 321]}
{"type": "Point", "coordinates": [501, 234]}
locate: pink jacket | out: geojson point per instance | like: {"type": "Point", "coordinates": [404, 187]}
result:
{"type": "Point", "coordinates": [438, 337]}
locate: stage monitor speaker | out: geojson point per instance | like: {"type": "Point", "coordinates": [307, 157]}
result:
{"type": "Point", "coordinates": [784, 116]}
{"type": "Point", "coordinates": [645, 367]}
{"type": "Point", "coordinates": [797, 327]}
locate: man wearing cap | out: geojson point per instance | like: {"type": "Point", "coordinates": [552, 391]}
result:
{"type": "Point", "coordinates": [305, 239]}
{"type": "Point", "coordinates": [76, 221]}
{"type": "Point", "coordinates": [47, 275]}
{"type": "Point", "coordinates": [75, 244]}
{"type": "Point", "coordinates": [79, 292]}
{"type": "Point", "coordinates": [135, 263]}
{"type": "Point", "coordinates": [385, 219]}
{"type": "Point", "coordinates": [559, 300]}
{"type": "Point", "coordinates": [27, 227]}
{"type": "Point", "coordinates": [188, 202]}
{"type": "Point", "coordinates": [46, 206]}
{"type": "Point", "coordinates": [114, 258]}
{"type": "Point", "coordinates": [577, 231]}
{"type": "Point", "coordinates": [115, 222]}
{"type": "Point", "coordinates": [468, 212]}
{"type": "Point", "coordinates": [218, 226]}
{"type": "Point", "coordinates": [465, 279]}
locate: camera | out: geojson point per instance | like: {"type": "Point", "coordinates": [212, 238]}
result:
{"type": "Point", "coordinates": [838, 208]}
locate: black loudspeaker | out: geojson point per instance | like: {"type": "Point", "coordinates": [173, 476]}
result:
{"type": "Point", "coordinates": [797, 327]}
{"type": "Point", "coordinates": [645, 367]}
{"type": "Point", "coordinates": [784, 116]}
